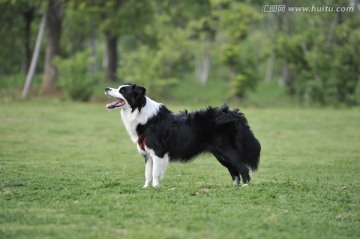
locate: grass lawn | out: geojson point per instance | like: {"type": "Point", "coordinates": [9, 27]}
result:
{"type": "Point", "coordinates": [69, 170]}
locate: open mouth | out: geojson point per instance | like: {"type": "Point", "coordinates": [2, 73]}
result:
{"type": "Point", "coordinates": [116, 104]}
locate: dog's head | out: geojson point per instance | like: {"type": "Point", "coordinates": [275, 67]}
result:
{"type": "Point", "coordinates": [129, 96]}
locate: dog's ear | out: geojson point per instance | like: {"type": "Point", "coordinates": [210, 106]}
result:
{"type": "Point", "coordinates": [139, 91]}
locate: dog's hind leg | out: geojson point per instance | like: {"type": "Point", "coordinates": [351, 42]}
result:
{"type": "Point", "coordinates": [234, 159]}
{"type": "Point", "coordinates": [232, 170]}
{"type": "Point", "coordinates": [245, 176]}
{"type": "Point", "coordinates": [242, 169]}
{"type": "Point", "coordinates": [148, 170]}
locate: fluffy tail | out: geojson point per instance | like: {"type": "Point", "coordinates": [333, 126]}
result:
{"type": "Point", "coordinates": [245, 138]}
{"type": "Point", "coordinates": [252, 150]}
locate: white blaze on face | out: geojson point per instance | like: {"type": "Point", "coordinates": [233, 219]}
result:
{"type": "Point", "coordinates": [120, 99]}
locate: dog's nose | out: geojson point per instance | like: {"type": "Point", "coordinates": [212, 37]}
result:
{"type": "Point", "coordinates": [107, 89]}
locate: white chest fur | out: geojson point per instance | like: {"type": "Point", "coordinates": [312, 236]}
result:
{"type": "Point", "coordinates": [132, 119]}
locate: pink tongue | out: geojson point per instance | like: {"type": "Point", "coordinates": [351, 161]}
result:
{"type": "Point", "coordinates": [113, 104]}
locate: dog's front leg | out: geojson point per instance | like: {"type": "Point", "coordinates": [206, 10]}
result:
{"type": "Point", "coordinates": [164, 163]}
{"type": "Point", "coordinates": [148, 170]}
{"type": "Point", "coordinates": [159, 168]}
{"type": "Point", "coordinates": [156, 172]}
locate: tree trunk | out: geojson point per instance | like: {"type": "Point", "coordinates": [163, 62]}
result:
{"type": "Point", "coordinates": [284, 25]}
{"type": "Point", "coordinates": [202, 65]}
{"type": "Point", "coordinates": [54, 21]}
{"type": "Point", "coordinates": [34, 59]}
{"type": "Point", "coordinates": [355, 4]}
{"type": "Point", "coordinates": [112, 57]}
{"type": "Point", "coordinates": [283, 81]}
{"type": "Point", "coordinates": [203, 69]}
{"type": "Point", "coordinates": [94, 66]}
{"type": "Point", "coordinates": [28, 18]}
{"type": "Point", "coordinates": [270, 68]}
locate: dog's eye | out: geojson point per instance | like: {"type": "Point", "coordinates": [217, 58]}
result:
{"type": "Point", "coordinates": [122, 90]}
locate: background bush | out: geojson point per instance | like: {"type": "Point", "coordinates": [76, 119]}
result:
{"type": "Point", "coordinates": [74, 77]}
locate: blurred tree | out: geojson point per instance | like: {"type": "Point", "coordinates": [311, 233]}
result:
{"type": "Point", "coordinates": [323, 57]}
{"type": "Point", "coordinates": [184, 32]}
{"type": "Point", "coordinates": [54, 15]}
{"type": "Point", "coordinates": [17, 17]}
{"type": "Point", "coordinates": [74, 76]}
{"type": "Point", "coordinates": [234, 19]}
{"type": "Point", "coordinates": [167, 46]}
{"type": "Point", "coordinates": [9, 18]}
{"type": "Point", "coordinates": [284, 26]}
{"type": "Point", "coordinates": [163, 53]}
{"type": "Point", "coordinates": [161, 42]}
{"type": "Point", "coordinates": [115, 18]}
{"type": "Point", "coordinates": [111, 25]}
{"type": "Point", "coordinates": [79, 32]}
{"type": "Point", "coordinates": [202, 35]}
{"type": "Point", "coordinates": [28, 15]}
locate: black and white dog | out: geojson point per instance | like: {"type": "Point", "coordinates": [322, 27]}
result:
{"type": "Point", "coordinates": [162, 136]}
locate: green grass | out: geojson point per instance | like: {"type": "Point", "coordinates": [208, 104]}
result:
{"type": "Point", "coordinates": [69, 170]}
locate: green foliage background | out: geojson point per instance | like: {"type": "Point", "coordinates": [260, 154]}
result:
{"type": "Point", "coordinates": [164, 44]}
{"type": "Point", "coordinates": [73, 76]}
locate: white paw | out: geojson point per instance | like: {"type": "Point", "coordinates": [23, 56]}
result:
{"type": "Point", "coordinates": [245, 185]}
{"type": "Point", "coordinates": [156, 184]}
{"type": "Point", "coordinates": [236, 181]}
{"type": "Point", "coordinates": [146, 184]}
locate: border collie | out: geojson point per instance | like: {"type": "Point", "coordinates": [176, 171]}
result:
{"type": "Point", "coordinates": [162, 136]}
